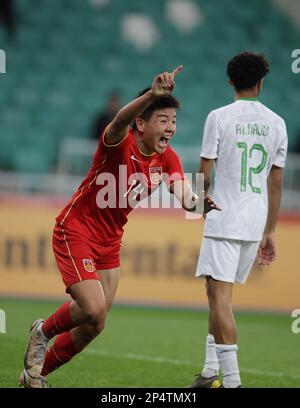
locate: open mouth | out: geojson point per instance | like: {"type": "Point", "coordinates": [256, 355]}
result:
{"type": "Point", "coordinates": [163, 141]}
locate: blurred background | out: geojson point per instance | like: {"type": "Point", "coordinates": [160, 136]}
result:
{"type": "Point", "coordinates": [70, 65]}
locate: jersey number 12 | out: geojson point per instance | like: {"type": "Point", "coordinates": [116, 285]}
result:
{"type": "Point", "coordinates": [248, 173]}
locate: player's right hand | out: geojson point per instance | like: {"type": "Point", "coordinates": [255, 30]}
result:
{"type": "Point", "coordinates": [163, 84]}
{"type": "Point", "coordinates": [210, 205]}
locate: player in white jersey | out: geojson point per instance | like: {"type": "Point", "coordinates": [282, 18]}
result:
{"type": "Point", "coordinates": [247, 142]}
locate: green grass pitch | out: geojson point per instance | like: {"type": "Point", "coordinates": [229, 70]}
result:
{"type": "Point", "coordinates": [152, 347]}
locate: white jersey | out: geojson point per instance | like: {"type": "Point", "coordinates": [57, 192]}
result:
{"type": "Point", "coordinates": [246, 139]}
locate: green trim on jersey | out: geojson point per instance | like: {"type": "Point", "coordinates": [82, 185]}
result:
{"type": "Point", "coordinates": [248, 99]}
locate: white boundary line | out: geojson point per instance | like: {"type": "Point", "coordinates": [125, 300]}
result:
{"type": "Point", "coordinates": [162, 360]}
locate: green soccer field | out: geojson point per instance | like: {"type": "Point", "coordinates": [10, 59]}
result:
{"type": "Point", "coordinates": [146, 347]}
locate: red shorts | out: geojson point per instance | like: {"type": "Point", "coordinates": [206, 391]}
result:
{"type": "Point", "coordinates": [79, 260]}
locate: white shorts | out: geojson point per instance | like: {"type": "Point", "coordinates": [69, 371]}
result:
{"type": "Point", "coordinates": [226, 260]}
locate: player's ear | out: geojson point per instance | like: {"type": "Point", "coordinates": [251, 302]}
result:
{"type": "Point", "coordinates": [260, 84]}
{"type": "Point", "coordinates": [231, 82]}
{"type": "Point", "coordinates": [140, 124]}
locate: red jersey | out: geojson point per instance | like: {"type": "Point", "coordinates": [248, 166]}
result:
{"type": "Point", "coordinates": [121, 176]}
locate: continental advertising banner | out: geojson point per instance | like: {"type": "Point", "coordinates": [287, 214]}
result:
{"type": "Point", "coordinates": [158, 259]}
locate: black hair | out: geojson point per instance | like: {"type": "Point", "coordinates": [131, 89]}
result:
{"type": "Point", "coordinates": [163, 102]}
{"type": "Point", "coordinates": [246, 69]}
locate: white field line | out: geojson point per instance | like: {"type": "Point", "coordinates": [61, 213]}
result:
{"type": "Point", "coordinates": [157, 359]}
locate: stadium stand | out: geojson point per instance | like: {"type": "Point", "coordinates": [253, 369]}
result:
{"type": "Point", "coordinates": [68, 55]}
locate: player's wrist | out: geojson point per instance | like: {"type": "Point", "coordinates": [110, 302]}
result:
{"type": "Point", "coordinates": [269, 232]}
{"type": "Point", "coordinates": [153, 94]}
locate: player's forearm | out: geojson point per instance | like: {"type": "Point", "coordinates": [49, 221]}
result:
{"type": "Point", "coordinates": [274, 197]}
{"type": "Point", "coordinates": [189, 201]}
{"type": "Point", "coordinates": [185, 195]}
{"type": "Point", "coordinates": [132, 110]}
{"type": "Point", "coordinates": [205, 169]}
{"type": "Point", "coordinates": [206, 183]}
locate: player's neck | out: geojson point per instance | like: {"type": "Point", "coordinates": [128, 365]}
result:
{"type": "Point", "coordinates": [142, 147]}
{"type": "Point", "coordinates": [250, 94]}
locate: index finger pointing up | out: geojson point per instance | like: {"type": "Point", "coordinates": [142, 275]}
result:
{"type": "Point", "coordinates": [177, 70]}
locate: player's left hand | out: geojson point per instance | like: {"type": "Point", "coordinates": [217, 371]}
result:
{"type": "Point", "coordinates": [209, 205]}
{"type": "Point", "coordinates": [267, 250]}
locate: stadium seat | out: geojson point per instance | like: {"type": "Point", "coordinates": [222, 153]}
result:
{"type": "Point", "coordinates": [67, 56]}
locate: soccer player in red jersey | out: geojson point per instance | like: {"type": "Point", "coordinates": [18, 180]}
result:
{"type": "Point", "coordinates": [129, 164]}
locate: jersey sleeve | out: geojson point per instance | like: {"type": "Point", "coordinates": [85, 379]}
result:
{"type": "Point", "coordinates": [211, 137]}
{"type": "Point", "coordinates": [173, 170]}
{"type": "Point", "coordinates": [113, 152]}
{"type": "Point", "coordinates": [281, 152]}
{"type": "Point", "coordinates": [119, 145]}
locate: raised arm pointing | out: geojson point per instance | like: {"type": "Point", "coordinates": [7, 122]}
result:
{"type": "Point", "coordinates": [162, 85]}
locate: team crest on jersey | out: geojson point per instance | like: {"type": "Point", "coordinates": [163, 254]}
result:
{"type": "Point", "coordinates": [155, 174]}
{"type": "Point", "coordinates": [88, 265]}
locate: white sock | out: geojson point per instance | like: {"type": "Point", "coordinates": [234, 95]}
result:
{"type": "Point", "coordinates": [227, 356]}
{"type": "Point", "coordinates": [211, 365]}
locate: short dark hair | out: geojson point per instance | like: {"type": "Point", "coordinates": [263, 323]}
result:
{"type": "Point", "coordinates": [162, 102]}
{"type": "Point", "coordinates": [246, 69]}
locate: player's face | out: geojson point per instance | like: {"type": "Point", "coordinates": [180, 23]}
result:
{"type": "Point", "coordinates": [159, 130]}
